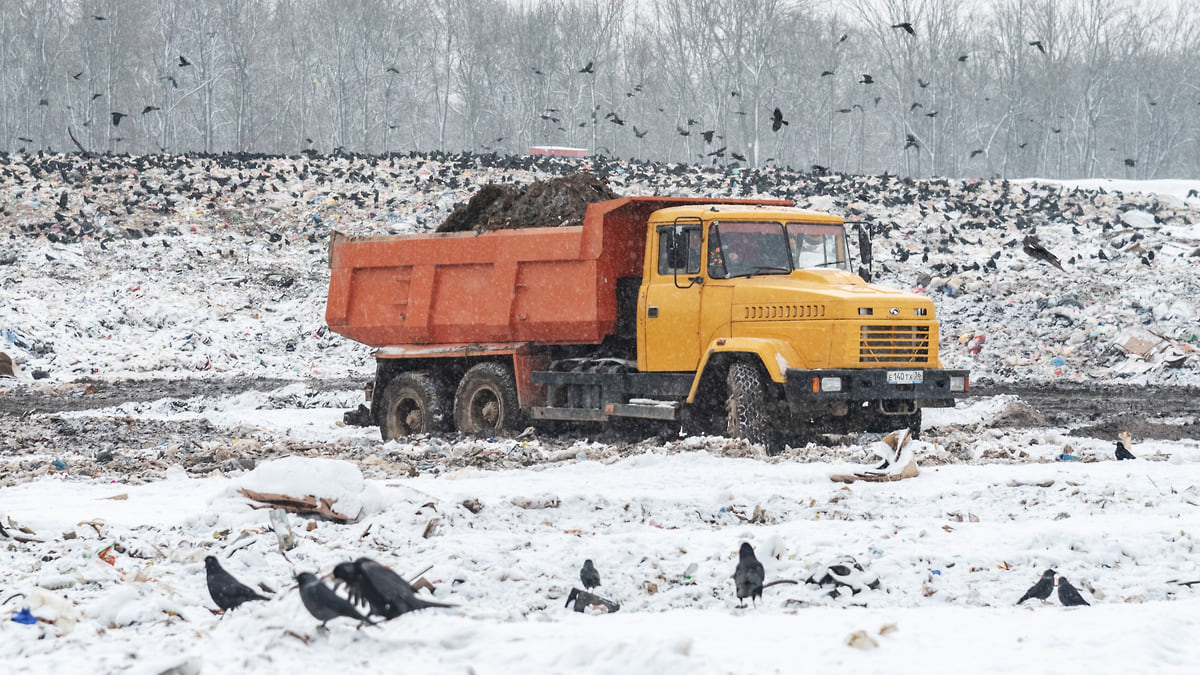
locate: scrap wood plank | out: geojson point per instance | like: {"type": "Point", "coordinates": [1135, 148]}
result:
{"type": "Point", "coordinates": [307, 505]}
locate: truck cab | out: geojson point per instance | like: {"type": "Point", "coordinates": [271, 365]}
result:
{"type": "Point", "coordinates": [772, 287]}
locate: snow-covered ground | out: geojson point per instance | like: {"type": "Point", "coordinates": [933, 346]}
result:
{"type": "Point", "coordinates": [224, 280]}
{"type": "Point", "coordinates": [953, 550]}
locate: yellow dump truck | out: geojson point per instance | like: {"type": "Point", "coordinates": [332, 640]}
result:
{"type": "Point", "coordinates": [721, 316]}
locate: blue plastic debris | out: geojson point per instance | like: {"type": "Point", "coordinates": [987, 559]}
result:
{"type": "Point", "coordinates": [1064, 457]}
{"type": "Point", "coordinates": [60, 465]}
{"type": "Point", "coordinates": [24, 616]}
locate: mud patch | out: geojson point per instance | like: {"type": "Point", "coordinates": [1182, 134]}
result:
{"type": "Point", "coordinates": [559, 202]}
{"type": "Point", "coordinates": [1139, 428]}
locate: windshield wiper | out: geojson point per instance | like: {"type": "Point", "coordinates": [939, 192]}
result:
{"type": "Point", "coordinates": [761, 269]}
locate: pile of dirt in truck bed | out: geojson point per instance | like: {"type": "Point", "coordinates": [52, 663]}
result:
{"type": "Point", "coordinates": [558, 202]}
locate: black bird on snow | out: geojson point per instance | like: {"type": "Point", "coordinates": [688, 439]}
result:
{"type": "Point", "coordinates": [1042, 589]}
{"type": "Point", "coordinates": [1123, 443]}
{"type": "Point", "coordinates": [183, 62]}
{"type": "Point", "coordinates": [117, 117]}
{"type": "Point", "coordinates": [588, 575]}
{"type": "Point", "coordinates": [1034, 249]}
{"type": "Point", "coordinates": [906, 26]}
{"type": "Point", "coordinates": [385, 593]}
{"type": "Point", "coordinates": [323, 603]}
{"type": "Point", "coordinates": [226, 591]}
{"type": "Point", "coordinates": [588, 68]}
{"type": "Point", "coordinates": [1068, 595]}
{"type": "Point", "coordinates": [777, 121]}
{"type": "Point", "coordinates": [749, 575]}
{"type": "Point", "coordinates": [1038, 43]}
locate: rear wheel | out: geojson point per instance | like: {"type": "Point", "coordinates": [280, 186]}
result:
{"type": "Point", "coordinates": [412, 403]}
{"type": "Point", "coordinates": [486, 400]}
{"type": "Point", "coordinates": [747, 406]}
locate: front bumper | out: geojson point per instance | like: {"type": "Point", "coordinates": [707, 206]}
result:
{"type": "Point", "coordinates": [933, 391]}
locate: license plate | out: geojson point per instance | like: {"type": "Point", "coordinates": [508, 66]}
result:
{"type": "Point", "coordinates": [905, 376]}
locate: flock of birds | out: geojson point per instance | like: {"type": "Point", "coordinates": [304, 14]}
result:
{"type": "Point", "coordinates": [370, 585]}
{"type": "Point", "coordinates": [374, 590]}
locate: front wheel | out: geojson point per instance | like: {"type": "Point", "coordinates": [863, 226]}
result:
{"type": "Point", "coordinates": [747, 406]}
{"type": "Point", "coordinates": [412, 403]}
{"type": "Point", "coordinates": [486, 400]}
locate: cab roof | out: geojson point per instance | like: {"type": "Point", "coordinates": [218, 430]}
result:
{"type": "Point", "coordinates": [711, 212]}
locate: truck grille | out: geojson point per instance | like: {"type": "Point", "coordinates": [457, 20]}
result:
{"type": "Point", "coordinates": [893, 344]}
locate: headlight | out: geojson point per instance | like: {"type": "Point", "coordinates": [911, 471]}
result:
{"type": "Point", "coordinates": [831, 384]}
{"type": "Point", "coordinates": [958, 383]}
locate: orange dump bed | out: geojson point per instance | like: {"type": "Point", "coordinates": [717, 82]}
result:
{"type": "Point", "coordinates": [540, 285]}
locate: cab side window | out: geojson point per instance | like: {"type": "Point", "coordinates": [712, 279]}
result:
{"type": "Point", "coordinates": [678, 250]}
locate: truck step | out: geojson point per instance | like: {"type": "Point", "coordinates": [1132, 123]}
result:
{"type": "Point", "coordinates": [645, 409]}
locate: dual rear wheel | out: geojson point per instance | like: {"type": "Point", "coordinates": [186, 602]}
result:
{"type": "Point", "coordinates": [416, 402]}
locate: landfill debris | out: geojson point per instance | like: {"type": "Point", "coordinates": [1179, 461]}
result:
{"type": "Point", "coordinates": [307, 505]}
{"type": "Point", "coordinates": [585, 601]}
{"type": "Point", "coordinates": [844, 574]}
{"type": "Point", "coordinates": [898, 463]}
{"type": "Point", "coordinates": [558, 202]}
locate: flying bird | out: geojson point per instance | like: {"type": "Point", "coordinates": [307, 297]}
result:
{"type": "Point", "coordinates": [976, 152]}
{"type": "Point", "coordinates": [911, 141]}
{"type": "Point", "coordinates": [740, 158]}
{"type": "Point", "coordinates": [906, 26]}
{"type": "Point", "coordinates": [826, 73]}
{"type": "Point", "coordinates": [707, 136]}
{"type": "Point", "coordinates": [1068, 595]}
{"type": "Point", "coordinates": [392, 69]}
{"type": "Point", "coordinates": [844, 37]}
{"type": "Point", "coordinates": [117, 117]}
{"type": "Point", "coordinates": [323, 603]}
{"type": "Point", "coordinates": [639, 134]}
{"type": "Point", "coordinates": [1123, 444]}
{"type": "Point", "coordinates": [1042, 589]}
{"type": "Point", "coordinates": [149, 109]}
{"type": "Point", "coordinates": [922, 83]}
{"type": "Point", "coordinates": [588, 68]}
{"type": "Point", "coordinates": [588, 575]}
{"type": "Point", "coordinates": [1034, 249]}
{"type": "Point", "coordinates": [867, 79]}
{"type": "Point", "coordinates": [1038, 43]}
{"type": "Point", "coordinates": [777, 121]}
{"type": "Point", "coordinates": [385, 593]}
{"type": "Point", "coordinates": [225, 590]}
{"type": "Point", "coordinates": [1130, 162]}
{"type": "Point", "coordinates": [963, 58]}
{"type": "Point", "coordinates": [183, 62]}
{"type": "Point", "coordinates": [749, 575]}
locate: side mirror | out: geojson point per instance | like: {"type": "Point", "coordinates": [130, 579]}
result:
{"type": "Point", "coordinates": [864, 251]}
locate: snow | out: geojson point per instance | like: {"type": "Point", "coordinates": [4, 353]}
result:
{"type": "Point", "coordinates": [953, 548]}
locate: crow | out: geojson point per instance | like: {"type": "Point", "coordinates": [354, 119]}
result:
{"type": "Point", "coordinates": [976, 152]}
{"type": "Point", "coordinates": [1068, 595]}
{"type": "Point", "coordinates": [323, 603]}
{"type": "Point", "coordinates": [183, 62]}
{"type": "Point", "coordinates": [922, 83]}
{"type": "Point", "coordinates": [1038, 43]}
{"type": "Point", "coordinates": [867, 79]}
{"type": "Point", "coordinates": [1130, 162]}
{"type": "Point", "coordinates": [826, 73]}
{"type": "Point", "coordinates": [1041, 590]}
{"type": "Point", "coordinates": [1034, 249]}
{"type": "Point", "coordinates": [708, 136]}
{"type": "Point", "coordinates": [1123, 444]}
{"type": "Point", "coordinates": [226, 591]}
{"type": "Point", "coordinates": [906, 26]}
{"type": "Point", "coordinates": [116, 118]}
{"type": "Point", "coordinates": [588, 575]}
{"type": "Point", "coordinates": [149, 109]}
{"type": "Point", "coordinates": [777, 121]}
{"type": "Point", "coordinates": [588, 68]}
{"type": "Point", "coordinates": [911, 141]}
{"type": "Point", "coordinates": [749, 575]}
{"type": "Point", "coordinates": [385, 593]}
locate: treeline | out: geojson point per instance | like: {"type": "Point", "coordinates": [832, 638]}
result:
{"type": "Point", "coordinates": [1055, 88]}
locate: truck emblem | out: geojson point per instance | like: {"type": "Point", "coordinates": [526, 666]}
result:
{"type": "Point", "coordinates": [894, 311]}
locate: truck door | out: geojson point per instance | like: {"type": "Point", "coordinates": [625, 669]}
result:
{"type": "Point", "coordinates": [669, 311]}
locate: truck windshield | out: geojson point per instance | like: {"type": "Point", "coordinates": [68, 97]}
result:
{"type": "Point", "coordinates": [743, 248]}
{"type": "Point", "coordinates": [816, 245]}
